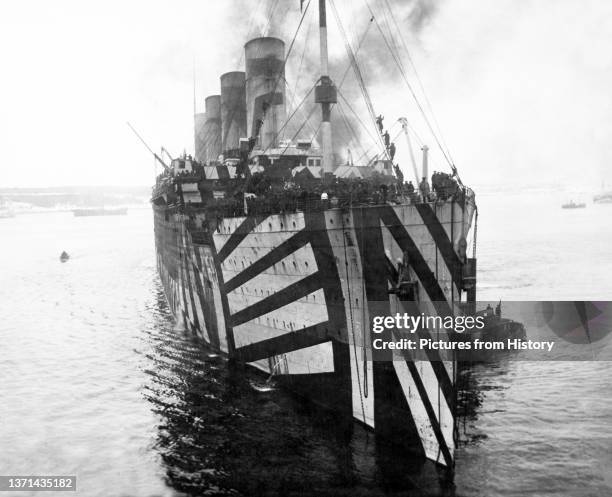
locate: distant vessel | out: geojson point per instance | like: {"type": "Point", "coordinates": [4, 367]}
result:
{"type": "Point", "coordinates": [64, 256]}
{"type": "Point", "coordinates": [100, 212]}
{"type": "Point", "coordinates": [573, 205]}
{"type": "Point", "coordinates": [603, 198]}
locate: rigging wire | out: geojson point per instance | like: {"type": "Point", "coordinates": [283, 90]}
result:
{"type": "Point", "coordinates": [289, 119]}
{"type": "Point", "coordinates": [350, 107]}
{"type": "Point", "coordinates": [250, 25]}
{"type": "Point", "coordinates": [370, 149]}
{"type": "Point", "coordinates": [350, 128]}
{"type": "Point", "coordinates": [270, 14]}
{"type": "Point", "coordinates": [418, 78]}
{"type": "Point", "coordinates": [300, 129]}
{"type": "Point", "coordinates": [299, 70]}
{"type": "Point", "coordinates": [410, 88]}
{"type": "Point", "coordinates": [295, 108]}
{"type": "Point", "coordinates": [346, 71]}
{"type": "Point", "coordinates": [357, 70]}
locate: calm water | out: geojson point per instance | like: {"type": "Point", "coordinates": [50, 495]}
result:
{"type": "Point", "coordinates": [98, 381]}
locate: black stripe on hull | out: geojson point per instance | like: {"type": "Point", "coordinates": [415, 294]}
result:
{"type": "Point", "coordinates": [392, 418]}
{"type": "Point", "coordinates": [431, 414]}
{"type": "Point", "coordinates": [441, 239]}
{"type": "Point", "coordinates": [320, 387]}
{"type": "Point", "coordinates": [183, 283]}
{"type": "Point", "coordinates": [283, 344]}
{"type": "Point", "coordinates": [188, 267]}
{"type": "Point", "coordinates": [207, 305]}
{"type": "Point", "coordinates": [238, 235]}
{"type": "Point", "coordinates": [341, 387]}
{"type": "Point", "coordinates": [283, 297]}
{"type": "Point", "coordinates": [229, 332]}
{"type": "Point", "coordinates": [417, 261]}
{"type": "Point", "coordinates": [433, 356]}
{"type": "Point", "coordinates": [275, 255]}
{"type": "Point", "coordinates": [390, 421]}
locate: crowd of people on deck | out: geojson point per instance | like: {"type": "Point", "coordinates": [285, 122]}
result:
{"type": "Point", "coordinates": [258, 193]}
{"type": "Point", "coordinates": [292, 197]}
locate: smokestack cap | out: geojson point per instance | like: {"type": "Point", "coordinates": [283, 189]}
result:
{"type": "Point", "coordinates": [233, 78]}
{"type": "Point", "coordinates": [265, 46]}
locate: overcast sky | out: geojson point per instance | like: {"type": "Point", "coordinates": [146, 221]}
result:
{"type": "Point", "coordinates": [521, 88]}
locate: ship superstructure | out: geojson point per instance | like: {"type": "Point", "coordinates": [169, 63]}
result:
{"type": "Point", "coordinates": [279, 257]}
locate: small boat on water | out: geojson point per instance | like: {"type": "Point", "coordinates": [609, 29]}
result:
{"type": "Point", "coordinates": [573, 205]}
{"type": "Point", "coordinates": [496, 329]}
{"type": "Point", "coordinates": [64, 256]}
{"type": "Point", "coordinates": [121, 211]}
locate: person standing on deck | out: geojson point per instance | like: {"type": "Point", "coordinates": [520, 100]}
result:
{"type": "Point", "coordinates": [424, 188]}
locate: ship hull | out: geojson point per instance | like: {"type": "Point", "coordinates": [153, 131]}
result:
{"type": "Point", "coordinates": [293, 295]}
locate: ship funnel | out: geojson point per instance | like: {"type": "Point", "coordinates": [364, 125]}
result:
{"type": "Point", "coordinates": [425, 150]}
{"type": "Point", "coordinates": [233, 111]}
{"type": "Point", "coordinates": [212, 128]}
{"type": "Point", "coordinates": [200, 143]}
{"type": "Point", "coordinates": [265, 89]}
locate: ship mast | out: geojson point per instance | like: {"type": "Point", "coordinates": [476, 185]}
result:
{"type": "Point", "coordinates": [325, 94]}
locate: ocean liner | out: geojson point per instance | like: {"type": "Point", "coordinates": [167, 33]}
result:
{"type": "Point", "coordinates": [278, 256]}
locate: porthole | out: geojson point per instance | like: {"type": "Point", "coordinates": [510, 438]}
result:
{"type": "Point", "coordinates": [294, 265]}
{"type": "Point", "coordinates": [306, 264]}
{"type": "Point", "coordinates": [294, 225]}
{"type": "Point", "coordinates": [270, 226]}
{"type": "Point", "coordinates": [282, 226]}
